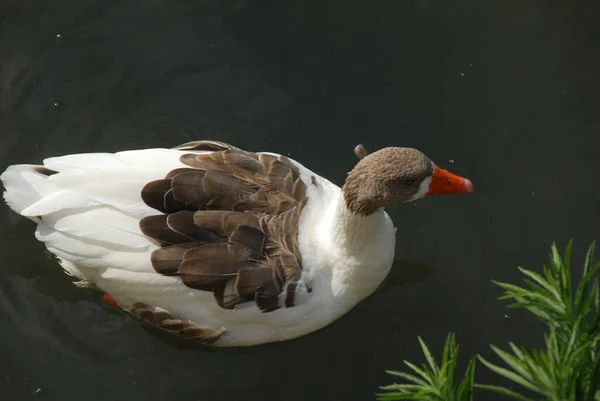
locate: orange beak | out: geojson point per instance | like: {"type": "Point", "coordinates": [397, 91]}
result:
{"type": "Point", "coordinates": [444, 182]}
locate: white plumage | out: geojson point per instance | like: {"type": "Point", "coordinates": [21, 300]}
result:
{"type": "Point", "coordinates": [88, 215]}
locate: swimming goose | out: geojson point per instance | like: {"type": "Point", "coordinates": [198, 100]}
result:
{"type": "Point", "coordinates": [218, 245]}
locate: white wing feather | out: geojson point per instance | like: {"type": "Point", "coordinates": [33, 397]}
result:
{"type": "Point", "coordinates": [88, 216]}
{"type": "Point", "coordinates": [89, 212]}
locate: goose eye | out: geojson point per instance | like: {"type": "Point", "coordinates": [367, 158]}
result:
{"type": "Point", "coordinates": [414, 180]}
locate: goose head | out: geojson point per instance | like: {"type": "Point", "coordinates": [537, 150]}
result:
{"type": "Point", "coordinates": [395, 175]}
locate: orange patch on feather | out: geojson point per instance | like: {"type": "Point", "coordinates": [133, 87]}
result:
{"type": "Point", "coordinates": [110, 300]}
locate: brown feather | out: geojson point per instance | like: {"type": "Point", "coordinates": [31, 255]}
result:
{"type": "Point", "coordinates": [226, 296]}
{"type": "Point", "coordinates": [216, 183]}
{"type": "Point", "coordinates": [233, 220]}
{"type": "Point", "coordinates": [205, 145]}
{"type": "Point", "coordinates": [156, 227]}
{"type": "Point", "coordinates": [44, 170]}
{"type": "Point", "coordinates": [172, 325]}
{"type": "Point", "coordinates": [183, 223]}
{"type": "Point", "coordinates": [266, 161]}
{"type": "Point", "coordinates": [266, 303]}
{"type": "Point", "coordinates": [212, 220]}
{"type": "Point", "coordinates": [288, 241]}
{"type": "Point", "coordinates": [288, 183]}
{"type": "Point", "coordinates": [200, 335]}
{"type": "Point", "coordinates": [250, 237]}
{"type": "Point", "coordinates": [172, 205]}
{"type": "Point", "coordinates": [242, 163]}
{"type": "Point", "coordinates": [299, 190]}
{"type": "Point", "coordinates": [203, 273]}
{"type": "Point", "coordinates": [278, 274]}
{"type": "Point", "coordinates": [289, 264]}
{"type": "Point", "coordinates": [180, 170]}
{"type": "Point", "coordinates": [218, 251]}
{"type": "Point", "coordinates": [162, 319]}
{"type": "Point", "coordinates": [266, 297]}
{"type": "Point", "coordinates": [187, 188]}
{"type": "Point", "coordinates": [284, 206]}
{"type": "Point", "coordinates": [217, 161]}
{"type": "Point", "coordinates": [277, 173]}
{"type": "Point", "coordinates": [235, 209]}
{"type": "Point", "coordinates": [220, 203]}
{"type": "Point", "coordinates": [205, 161]}
{"type": "Point", "coordinates": [293, 167]}
{"type": "Point", "coordinates": [290, 294]}
{"type": "Point", "coordinates": [242, 206]}
{"type": "Point", "coordinates": [153, 194]}
{"type": "Point", "coordinates": [249, 280]}
{"type": "Point", "coordinates": [166, 260]}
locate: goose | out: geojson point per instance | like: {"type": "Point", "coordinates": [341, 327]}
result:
{"type": "Point", "coordinates": [219, 245]}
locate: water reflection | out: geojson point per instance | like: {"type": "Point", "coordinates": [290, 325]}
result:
{"type": "Point", "coordinates": [404, 272]}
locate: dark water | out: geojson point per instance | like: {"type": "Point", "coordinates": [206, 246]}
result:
{"type": "Point", "coordinates": [504, 92]}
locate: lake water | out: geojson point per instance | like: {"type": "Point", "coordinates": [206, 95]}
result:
{"type": "Point", "coordinates": [504, 92]}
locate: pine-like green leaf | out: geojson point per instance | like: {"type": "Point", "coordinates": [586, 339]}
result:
{"type": "Point", "coordinates": [597, 299]}
{"type": "Point", "coordinates": [465, 389]}
{"type": "Point", "coordinates": [587, 305]}
{"type": "Point", "coordinates": [503, 391]}
{"type": "Point", "coordinates": [567, 257]}
{"type": "Point", "coordinates": [541, 282]}
{"type": "Point", "coordinates": [518, 353]}
{"type": "Point", "coordinates": [396, 396]}
{"type": "Point", "coordinates": [409, 377]}
{"type": "Point", "coordinates": [509, 375]}
{"type": "Point", "coordinates": [541, 314]}
{"type": "Point", "coordinates": [449, 361]}
{"type": "Point", "coordinates": [542, 306]}
{"type": "Point", "coordinates": [539, 299]}
{"type": "Point", "coordinates": [566, 369]}
{"type": "Point", "coordinates": [446, 352]}
{"type": "Point", "coordinates": [549, 275]}
{"type": "Point", "coordinates": [555, 258]}
{"type": "Point", "coordinates": [403, 387]}
{"type": "Point", "coordinates": [592, 377]}
{"type": "Point", "coordinates": [517, 365]}
{"type": "Point", "coordinates": [561, 370]}
{"type": "Point", "coordinates": [589, 258]}
{"type": "Point", "coordinates": [432, 382]}
{"type": "Point", "coordinates": [564, 272]}
{"type": "Point", "coordinates": [432, 365]}
{"type": "Point", "coordinates": [589, 269]}
{"type": "Point", "coordinates": [537, 365]}
{"type": "Point", "coordinates": [421, 373]}
{"type": "Point", "coordinates": [514, 289]}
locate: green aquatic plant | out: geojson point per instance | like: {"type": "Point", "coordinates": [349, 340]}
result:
{"type": "Point", "coordinates": [566, 369]}
{"type": "Point", "coordinates": [433, 382]}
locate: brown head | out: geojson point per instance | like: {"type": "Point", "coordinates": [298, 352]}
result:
{"type": "Point", "coordinates": [393, 175]}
